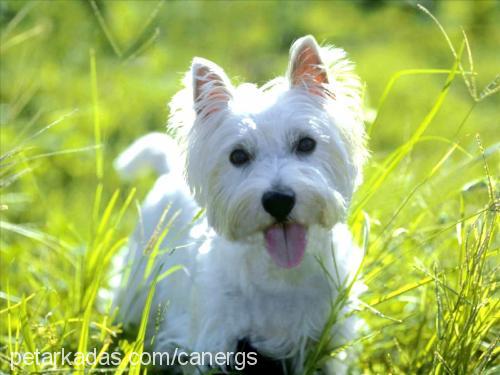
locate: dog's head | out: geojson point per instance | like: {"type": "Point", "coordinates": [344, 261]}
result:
{"type": "Point", "coordinates": [276, 160]}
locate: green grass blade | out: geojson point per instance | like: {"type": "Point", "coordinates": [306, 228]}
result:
{"type": "Point", "coordinates": [394, 159]}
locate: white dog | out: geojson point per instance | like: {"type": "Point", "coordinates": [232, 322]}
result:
{"type": "Point", "coordinates": [274, 169]}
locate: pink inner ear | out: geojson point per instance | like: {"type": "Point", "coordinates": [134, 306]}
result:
{"type": "Point", "coordinates": [210, 92]}
{"type": "Point", "coordinates": [309, 67]}
{"type": "Point", "coordinates": [309, 70]}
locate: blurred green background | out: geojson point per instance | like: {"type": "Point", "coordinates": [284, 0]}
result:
{"type": "Point", "coordinates": [45, 73]}
{"type": "Point", "coordinates": [142, 49]}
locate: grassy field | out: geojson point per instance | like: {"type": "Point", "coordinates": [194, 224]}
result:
{"type": "Point", "coordinates": [80, 80]}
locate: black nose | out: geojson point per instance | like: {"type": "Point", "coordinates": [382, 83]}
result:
{"type": "Point", "coordinates": [278, 203]}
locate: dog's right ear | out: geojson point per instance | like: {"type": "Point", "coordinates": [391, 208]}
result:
{"type": "Point", "coordinates": [211, 87]}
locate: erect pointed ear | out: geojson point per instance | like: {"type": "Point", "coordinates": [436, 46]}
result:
{"type": "Point", "coordinates": [306, 67]}
{"type": "Point", "coordinates": [211, 87]}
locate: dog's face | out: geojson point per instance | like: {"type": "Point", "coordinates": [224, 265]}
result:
{"type": "Point", "coordinates": [273, 162]}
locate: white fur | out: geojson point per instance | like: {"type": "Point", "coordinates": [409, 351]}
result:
{"type": "Point", "coordinates": [230, 288]}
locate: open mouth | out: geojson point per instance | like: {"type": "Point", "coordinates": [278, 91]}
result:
{"type": "Point", "coordinates": [286, 243]}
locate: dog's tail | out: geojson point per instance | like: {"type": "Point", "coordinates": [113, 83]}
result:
{"type": "Point", "coordinates": [155, 151]}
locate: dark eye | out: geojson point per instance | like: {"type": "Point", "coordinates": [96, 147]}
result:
{"type": "Point", "coordinates": [239, 157]}
{"type": "Point", "coordinates": [306, 145]}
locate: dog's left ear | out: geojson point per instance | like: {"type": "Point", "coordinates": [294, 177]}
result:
{"type": "Point", "coordinates": [306, 69]}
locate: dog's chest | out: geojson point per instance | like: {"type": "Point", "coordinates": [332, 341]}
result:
{"type": "Point", "coordinates": [276, 311]}
{"type": "Point", "coordinates": [287, 315]}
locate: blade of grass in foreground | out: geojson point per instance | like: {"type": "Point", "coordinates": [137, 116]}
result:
{"type": "Point", "coordinates": [465, 321]}
{"type": "Point", "coordinates": [322, 348]}
{"type": "Point", "coordinates": [97, 138]}
{"type": "Point", "coordinates": [407, 199]}
{"type": "Point", "coordinates": [95, 263]}
{"type": "Point", "coordinates": [392, 81]}
{"type": "Point", "coordinates": [28, 336]}
{"type": "Point", "coordinates": [138, 346]}
{"type": "Point", "coordinates": [395, 158]}
{"type": "Point", "coordinates": [91, 295]}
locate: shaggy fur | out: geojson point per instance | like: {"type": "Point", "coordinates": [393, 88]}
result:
{"type": "Point", "coordinates": [230, 289]}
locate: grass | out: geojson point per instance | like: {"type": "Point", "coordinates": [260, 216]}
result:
{"type": "Point", "coordinates": [426, 214]}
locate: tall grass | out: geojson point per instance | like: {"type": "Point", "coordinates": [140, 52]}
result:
{"type": "Point", "coordinates": [430, 266]}
{"type": "Point", "coordinates": [465, 300]}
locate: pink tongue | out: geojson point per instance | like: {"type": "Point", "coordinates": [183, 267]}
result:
{"type": "Point", "coordinates": [286, 243]}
